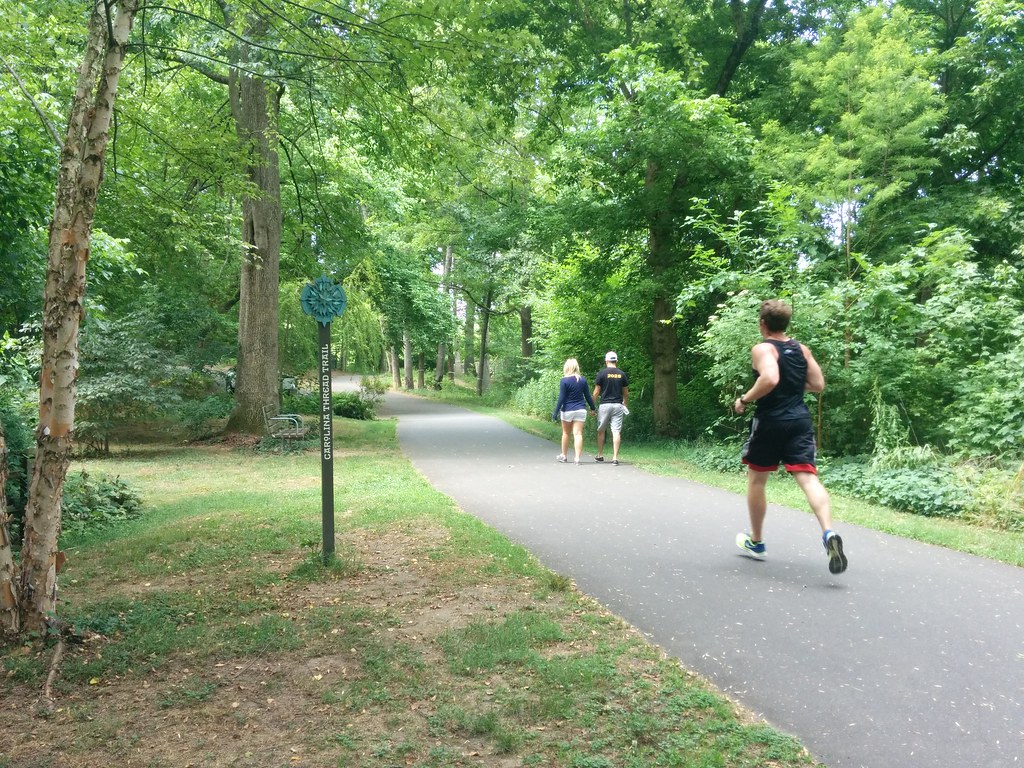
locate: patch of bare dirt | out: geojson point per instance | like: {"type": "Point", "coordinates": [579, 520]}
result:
{"type": "Point", "coordinates": [228, 441]}
{"type": "Point", "coordinates": [314, 707]}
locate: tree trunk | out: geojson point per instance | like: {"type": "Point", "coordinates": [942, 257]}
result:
{"type": "Point", "coordinates": [255, 105]}
{"type": "Point", "coordinates": [526, 331]}
{"type": "Point", "coordinates": [746, 24]}
{"type": "Point", "coordinates": [421, 371]}
{"type": "Point", "coordinates": [468, 361]}
{"type": "Point", "coordinates": [8, 595]}
{"type": "Point", "coordinates": [407, 358]}
{"type": "Point", "coordinates": [665, 361]}
{"type": "Point", "coordinates": [444, 287]}
{"type": "Point", "coordinates": [664, 339]}
{"type": "Point", "coordinates": [78, 182]}
{"type": "Point", "coordinates": [449, 268]}
{"type": "Point", "coordinates": [481, 374]}
{"type": "Point", "coordinates": [396, 375]}
{"type": "Point", "coordinates": [439, 368]}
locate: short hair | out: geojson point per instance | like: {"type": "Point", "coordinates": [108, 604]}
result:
{"type": "Point", "coordinates": [571, 367]}
{"type": "Point", "coordinates": [776, 315]}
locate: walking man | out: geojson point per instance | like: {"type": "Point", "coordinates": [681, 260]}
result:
{"type": "Point", "coordinates": [782, 431]}
{"type": "Point", "coordinates": [612, 386]}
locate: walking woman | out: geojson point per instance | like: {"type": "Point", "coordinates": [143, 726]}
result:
{"type": "Point", "coordinates": [573, 399]}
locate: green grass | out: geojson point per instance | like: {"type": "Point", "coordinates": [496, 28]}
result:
{"type": "Point", "coordinates": [429, 637]}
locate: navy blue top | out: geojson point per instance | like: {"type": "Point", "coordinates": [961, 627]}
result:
{"type": "Point", "coordinates": [786, 401]}
{"type": "Point", "coordinates": [573, 395]}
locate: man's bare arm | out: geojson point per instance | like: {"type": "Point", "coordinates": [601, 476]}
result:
{"type": "Point", "coordinates": [815, 381]}
{"type": "Point", "coordinates": [765, 360]}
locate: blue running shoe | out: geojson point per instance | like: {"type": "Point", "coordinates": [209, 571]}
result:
{"type": "Point", "coordinates": [753, 548]}
{"type": "Point", "coordinates": [834, 547]}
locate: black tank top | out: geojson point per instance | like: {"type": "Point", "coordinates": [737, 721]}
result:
{"type": "Point", "coordinates": [786, 401]}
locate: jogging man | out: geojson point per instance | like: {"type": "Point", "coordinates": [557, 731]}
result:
{"type": "Point", "coordinates": [612, 386]}
{"type": "Point", "coordinates": [782, 431]}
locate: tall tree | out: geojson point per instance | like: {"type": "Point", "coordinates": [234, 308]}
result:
{"type": "Point", "coordinates": [255, 104]}
{"type": "Point", "coordinates": [81, 172]}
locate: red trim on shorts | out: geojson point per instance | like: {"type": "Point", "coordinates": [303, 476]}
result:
{"type": "Point", "coordinates": [802, 468]}
{"type": "Point", "coordinates": [759, 468]}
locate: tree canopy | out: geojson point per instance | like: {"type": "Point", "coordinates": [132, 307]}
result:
{"type": "Point", "coordinates": [571, 176]}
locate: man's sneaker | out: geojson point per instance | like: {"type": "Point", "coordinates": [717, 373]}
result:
{"type": "Point", "coordinates": [834, 547]}
{"type": "Point", "coordinates": [615, 462]}
{"type": "Point", "coordinates": [599, 458]}
{"type": "Point", "coordinates": [753, 548]}
{"type": "Point", "coordinates": [561, 458]}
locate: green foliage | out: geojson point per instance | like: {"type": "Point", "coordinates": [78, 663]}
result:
{"type": "Point", "coordinates": [92, 502]}
{"type": "Point", "coordinates": [357, 334]}
{"type": "Point", "coordinates": [918, 351]}
{"type": "Point", "coordinates": [872, 93]}
{"type": "Point", "coordinates": [726, 342]}
{"type": "Point", "coordinates": [538, 397]}
{"type": "Point", "coordinates": [15, 419]}
{"type": "Point", "coordinates": [887, 150]}
{"type": "Point", "coordinates": [350, 405]}
{"type": "Point", "coordinates": [19, 360]}
{"type": "Point", "coordinates": [570, 322]}
{"type": "Point", "coordinates": [930, 491]}
{"type": "Point", "coordinates": [988, 417]}
{"type": "Point", "coordinates": [126, 378]}
{"type": "Point", "coordinates": [115, 278]}
{"type": "Point", "coordinates": [712, 456]}
{"type": "Point", "coordinates": [996, 495]}
{"type": "Point", "coordinates": [698, 406]}
{"type": "Point", "coordinates": [201, 417]}
{"type": "Point", "coordinates": [298, 402]}
{"type": "Point", "coordinates": [298, 341]}
{"type": "Point", "coordinates": [372, 389]}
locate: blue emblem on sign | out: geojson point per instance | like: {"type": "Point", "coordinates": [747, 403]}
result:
{"type": "Point", "coordinates": [324, 299]}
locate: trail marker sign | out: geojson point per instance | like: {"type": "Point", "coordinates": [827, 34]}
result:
{"type": "Point", "coordinates": [324, 300]}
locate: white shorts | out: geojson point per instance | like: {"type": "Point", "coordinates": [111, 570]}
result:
{"type": "Point", "coordinates": [580, 415]}
{"type": "Point", "coordinates": [610, 412]}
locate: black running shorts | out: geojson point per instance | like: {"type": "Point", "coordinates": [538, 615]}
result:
{"type": "Point", "coordinates": [789, 442]}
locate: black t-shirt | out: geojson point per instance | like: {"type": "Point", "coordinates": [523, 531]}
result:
{"type": "Point", "coordinates": [611, 381]}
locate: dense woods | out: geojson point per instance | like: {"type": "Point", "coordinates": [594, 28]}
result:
{"type": "Point", "coordinates": [501, 185]}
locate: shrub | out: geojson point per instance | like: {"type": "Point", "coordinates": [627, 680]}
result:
{"type": "Point", "coordinates": [19, 409]}
{"type": "Point", "coordinates": [125, 379]}
{"type": "Point", "coordinates": [699, 407]}
{"type": "Point", "coordinates": [350, 405]}
{"type": "Point", "coordinates": [304, 403]}
{"type": "Point", "coordinates": [198, 417]}
{"type": "Point", "coordinates": [17, 429]}
{"type": "Point", "coordinates": [96, 501]}
{"type": "Point", "coordinates": [373, 388]}
{"type": "Point", "coordinates": [997, 495]}
{"type": "Point", "coordinates": [712, 456]}
{"type": "Point", "coordinates": [932, 491]}
{"type": "Point", "coordinates": [988, 417]}
{"type": "Point", "coordinates": [538, 397]}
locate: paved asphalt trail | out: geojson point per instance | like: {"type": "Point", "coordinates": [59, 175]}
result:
{"type": "Point", "coordinates": [912, 658]}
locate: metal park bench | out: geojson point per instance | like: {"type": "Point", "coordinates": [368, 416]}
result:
{"type": "Point", "coordinates": [283, 426]}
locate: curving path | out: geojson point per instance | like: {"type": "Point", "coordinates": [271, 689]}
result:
{"type": "Point", "coordinates": [914, 658]}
